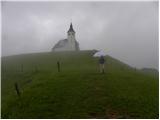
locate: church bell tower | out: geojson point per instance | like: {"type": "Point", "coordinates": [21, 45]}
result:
{"type": "Point", "coordinates": [71, 38]}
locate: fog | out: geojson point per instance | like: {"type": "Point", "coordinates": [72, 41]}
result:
{"type": "Point", "coordinates": [127, 31]}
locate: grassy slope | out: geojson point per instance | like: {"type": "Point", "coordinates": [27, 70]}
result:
{"type": "Point", "coordinates": [78, 91]}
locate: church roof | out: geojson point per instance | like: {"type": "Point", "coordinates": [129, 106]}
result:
{"type": "Point", "coordinates": [71, 28]}
{"type": "Point", "coordinates": [60, 43]}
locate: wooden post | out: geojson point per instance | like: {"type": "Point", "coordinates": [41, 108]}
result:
{"type": "Point", "coordinates": [21, 67]}
{"type": "Point", "coordinates": [3, 69]}
{"type": "Point", "coordinates": [17, 89]}
{"type": "Point", "coordinates": [58, 66]}
{"type": "Point", "coordinates": [36, 69]}
{"type": "Point", "coordinates": [135, 69]}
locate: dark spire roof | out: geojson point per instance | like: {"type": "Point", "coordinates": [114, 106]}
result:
{"type": "Point", "coordinates": [71, 28]}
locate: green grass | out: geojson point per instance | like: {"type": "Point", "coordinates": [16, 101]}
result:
{"type": "Point", "coordinates": [79, 90]}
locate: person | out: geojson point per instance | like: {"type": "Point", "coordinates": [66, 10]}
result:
{"type": "Point", "coordinates": [101, 63]}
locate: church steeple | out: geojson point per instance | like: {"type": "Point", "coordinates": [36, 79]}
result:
{"type": "Point", "coordinates": [71, 28]}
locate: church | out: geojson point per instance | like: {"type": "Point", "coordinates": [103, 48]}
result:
{"type": "Point", "coordinates": [69, 44]}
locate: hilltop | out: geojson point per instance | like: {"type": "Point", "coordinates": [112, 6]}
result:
{"type": "Point", "coordinates": [78, 90]}
{"type": "Point", "coordinates": [150, 71]}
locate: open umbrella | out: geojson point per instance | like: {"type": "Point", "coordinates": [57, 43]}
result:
{"type": "Point", "coordinates": [99, 54]}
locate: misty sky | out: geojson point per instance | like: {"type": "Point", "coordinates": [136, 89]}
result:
{"type": "Point", "coordinates": [127, 31]}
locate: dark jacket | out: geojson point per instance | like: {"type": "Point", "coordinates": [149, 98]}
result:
{"type": "Point", "coordinates": [101, 60]}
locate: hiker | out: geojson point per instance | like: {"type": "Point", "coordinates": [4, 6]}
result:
{"type": "Point", "coordinates": [101, 63]}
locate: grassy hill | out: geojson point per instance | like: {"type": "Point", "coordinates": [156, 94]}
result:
{"type": "Point", "coordinates": [78, 90]}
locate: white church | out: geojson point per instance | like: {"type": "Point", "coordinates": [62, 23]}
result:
{"type": "Point", "coordinates": [69, 44]}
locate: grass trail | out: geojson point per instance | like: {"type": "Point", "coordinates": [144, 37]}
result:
{"type": "Point", "coordinates": [78, 91]}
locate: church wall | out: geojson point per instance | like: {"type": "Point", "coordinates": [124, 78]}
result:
{"type": "Point", "coordinates": [65, 48]}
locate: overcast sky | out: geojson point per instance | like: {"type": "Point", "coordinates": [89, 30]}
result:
{"type": "Point", "coordinates": [127, 31]}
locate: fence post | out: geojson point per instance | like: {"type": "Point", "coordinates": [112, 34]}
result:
{"type": "Point", "coordinates": [58, 66]}
{"type": "Point", "coordinates": [21, 67]}
{"type": "Point", "coordinates": [17, 89]}
{"type": "Point", "coordinates": [36, 69]}
{"type": "Point", "coordinates": [3, 69]}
